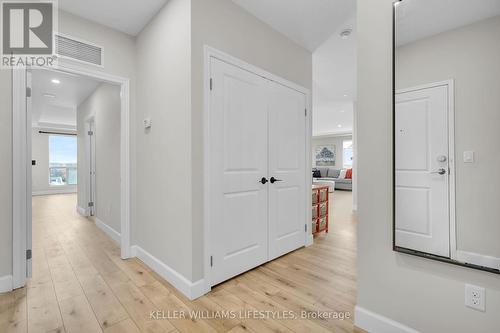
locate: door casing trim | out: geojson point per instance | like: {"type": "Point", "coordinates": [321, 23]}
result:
{"type": "Point", "coordinates": [210, 52]}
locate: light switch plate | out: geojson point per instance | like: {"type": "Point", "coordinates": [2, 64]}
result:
{"type": "Point", "coordinates": [468, 157]}
{"type": "Point", "coordinates": [147, 123]}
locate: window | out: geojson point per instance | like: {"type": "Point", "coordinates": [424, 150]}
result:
{"type": "Point", "coordinates": [62, 160]}
{"type": "Point", "coordinates": [347, 154]}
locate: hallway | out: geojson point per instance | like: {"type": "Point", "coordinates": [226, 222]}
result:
{"type": "Point", "coordinates": [80, 284]}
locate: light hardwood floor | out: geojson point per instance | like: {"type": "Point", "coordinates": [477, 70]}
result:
{"type": "Point", "coordinates": [80, 284]}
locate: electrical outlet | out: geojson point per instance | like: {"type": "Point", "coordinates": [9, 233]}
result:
{"type": "Point", "coordinates": [475, 297]}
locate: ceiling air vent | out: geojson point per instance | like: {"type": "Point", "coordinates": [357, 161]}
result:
{"type": "Point", "coordinates": [68, 47]}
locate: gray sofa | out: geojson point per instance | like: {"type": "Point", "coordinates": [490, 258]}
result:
{"type": "Point", "coordinates": [330, 173]}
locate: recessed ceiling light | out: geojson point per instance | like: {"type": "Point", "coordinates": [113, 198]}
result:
{"type": "Point", "coordinates": [344, 34]}
{"type": "Point", "coordinates": [345, 95]}
{"type": "Point", "coordinates": [339, 126]}
{"type": "Point", "coordinates": [342, 111]}
{"type": "Point", "coordinates": [56, 81]}
{"type": "Point", "coordinates": [49, 95]}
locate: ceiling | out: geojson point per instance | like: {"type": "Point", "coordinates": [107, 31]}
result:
{"type": "Point", "coordinates": [334, 83]}
{"type": "Point", "coordinates": [128, 16]}
{"type": "Point", "coordinates": [58, 112]}
{"type": "Point", "coordinates": [417, 19]}
{"type": "Point", "coordinates": [307, 22]}
{"type": "Point", "coordinates": [316, 25]}
{"type": "Point", "coordinates": [313, 24]}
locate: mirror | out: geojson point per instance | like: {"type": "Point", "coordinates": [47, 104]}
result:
{"type": "Point", "coordinates": [447, 131]}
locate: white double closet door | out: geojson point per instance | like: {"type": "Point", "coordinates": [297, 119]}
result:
{"type": "Point", "coordinates": [257, 131]}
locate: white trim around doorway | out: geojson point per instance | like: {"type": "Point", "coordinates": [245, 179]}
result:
{"type": "Point", "coordinates": [22, 165]}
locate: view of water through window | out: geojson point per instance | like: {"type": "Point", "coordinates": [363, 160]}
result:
{"type": "Point", "coordinates": [62, 160]}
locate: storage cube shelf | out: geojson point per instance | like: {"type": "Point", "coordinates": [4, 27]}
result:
{"type": "Point", "coordinates": [320, 204]}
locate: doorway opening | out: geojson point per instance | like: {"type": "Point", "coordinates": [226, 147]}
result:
{"type": "Point", "coordinates": [66, 175]}
{"type": "Point", "coordinates": [333, 142]}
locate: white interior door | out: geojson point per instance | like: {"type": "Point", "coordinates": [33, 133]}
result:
{"type": "Point", "coordinates": [422, 171]}
{"type": "Point", "coordinates": [29, 190]}
{"type": "Point", "coordinates": [90, 156]}
{"type": "Point", "coordinates": [287, 215]}
{"type": "Point", "coordinates": [238, 161]}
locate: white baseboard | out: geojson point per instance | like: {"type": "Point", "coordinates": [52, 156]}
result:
{"type": "Point", "coordinates": [112, 233]}
{"type": "Point", "coordinates": [55, 191]}
{"type": "Point", "coordinates": [191, 290]}
{"type": "Point", "coordinates": [82, 211]}
{"type": "Point", "coordinates": [6, 284]}
{"type": "Point", "coordinates": [478, 259]}
{"type": "Point", "coordinates": [375, 323]}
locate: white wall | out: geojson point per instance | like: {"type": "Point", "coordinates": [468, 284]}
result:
{"type": "Point", "coordinates": [337, 141]}
{"type": "Point", "coordinates": [40, 171]}
{"type": "Point", "coordinates": [424, 294]}
{"type": "Point", "coordinates": [105, 105]}
{"type": "Point", "coordinates": [119, 59]}
{"type": "Point", "coordinates": [164, 219]}
{"type": "Point", "coordinates": [227, 27]}
{"type": "Point", "coordinates": [454, 55]}
{"type": "Point", "coordinates": [6, 174]}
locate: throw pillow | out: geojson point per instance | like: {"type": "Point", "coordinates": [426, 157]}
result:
{"type": "Point", "coordinates": [342, 174]}
{"type": "Point", "coordinates": [316, 174]}
{"type": "Point", "coordinates": [348, 174]}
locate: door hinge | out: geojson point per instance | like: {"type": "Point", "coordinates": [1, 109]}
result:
{"type": "Point", "coordinates": [305, 112]}
{"type": "Point", "coordinates": [91, 204]}
{"type": "Point", "coordinates": [28, 254]}
{"type": "Point", "coordinates": [211, 84]}
{"type": "Point", "coordinates": [305, 227]}
{"type": "Point", "coordinates": [211, 261]}
{"type": "Point", "coordinates": [90, 132]}
{"type": "Point", "coordinates": [28, 91]}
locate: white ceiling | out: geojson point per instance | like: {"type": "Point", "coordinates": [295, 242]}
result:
{"type": "Point", "coordinates": [417, 19]}
{"type": "Point", "coordinates": [58, 112]}
{"type": "Point", "coordinates": [315, 25]}
{"type": "Point", "coordinates": [307, 22]}
{"type": "Point", "coordinates": [128, 16]}
{"type": "Point", "coordinates": [334, 83]}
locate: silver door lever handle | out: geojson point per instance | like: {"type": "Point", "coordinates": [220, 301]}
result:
{"type": "Point", "coordinates": [440, 171]}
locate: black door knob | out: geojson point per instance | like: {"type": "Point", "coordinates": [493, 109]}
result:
{"type": "Point", "coordinates": [274, 180]}
{"type": "Point", "coordinates": [263, 180]}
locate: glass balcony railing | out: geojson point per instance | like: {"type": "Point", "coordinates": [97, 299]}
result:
{"type": "Point", "coordinates": [62, 175]}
